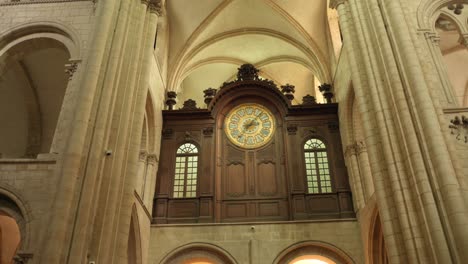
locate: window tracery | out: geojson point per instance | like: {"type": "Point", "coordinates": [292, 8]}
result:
{"type": "Point", "coordinates": [317, 167]}
{"type": "Point", "coordinates": [186, 168]}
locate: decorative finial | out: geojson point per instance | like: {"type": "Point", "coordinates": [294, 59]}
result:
{"type": "Point", "coordinates": [325, 89]}
{"type": "Point", "coordinates": [209, 94]}
{"type": "Point", "coordinates": [288, 91]}
{"type": "Point", "coordinates": [171, 99]}
{"type": "Point", "coordinates": [309, 100]}
{"type": "Point", "coordinates": [247, 72]}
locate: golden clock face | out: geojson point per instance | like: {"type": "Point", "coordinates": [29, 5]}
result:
{"type": "Point", "coordinates": [249, 126]}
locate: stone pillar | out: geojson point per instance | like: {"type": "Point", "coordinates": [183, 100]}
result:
{"type": "Point", "coordinates": [448, 209]}
{"type": "Point", "coordinates": [433, 41]}
{"type": "Point", "coordinates": [365, 169]}
{"type": "Point", "coordinates": [149, 17]}
{"type": "Point", "coordinates": [56, 248]}
{"type": "Point", "coordinates": [354, 176]}
{"type": "Point", "coordinates": [141, 175]}
{"type": "Point", "coordinates": [372, 129]}
{"type": "Point", "coordinates": [150, 184]}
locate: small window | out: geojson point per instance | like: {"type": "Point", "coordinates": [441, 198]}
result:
{"type": "Point", "coordinates": [186, 169]}
{"type": "Point", "coordinates": [317, 168]}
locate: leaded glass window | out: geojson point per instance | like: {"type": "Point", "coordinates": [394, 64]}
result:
{"type": "Point", "coordinates": [317, 168]}
{"type": "Point", "coordinates": [186, 168]}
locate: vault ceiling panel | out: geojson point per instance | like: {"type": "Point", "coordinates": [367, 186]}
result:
{"type": "Point", "coordinates": [250, 48]}
{"type": "Point", "coordinates": [311, 15]}
{"type": "Point", "coordinates": [184, 17]}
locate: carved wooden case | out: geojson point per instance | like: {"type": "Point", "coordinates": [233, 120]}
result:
{"type": "Point", "coordinates": [243, 185]}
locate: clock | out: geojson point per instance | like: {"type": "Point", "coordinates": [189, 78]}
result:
{"type": "Point", "coordinates": [249, 125]}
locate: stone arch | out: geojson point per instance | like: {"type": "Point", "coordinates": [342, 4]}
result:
{"type": "Point", "coordinates": [34, 93]}
{"type": "Point", "coordinates": [134, 254]}
{"type": "Point", "coordinates": [450, 31]}
{"type": "Point", "coordinates": [317, 249]}
{"type": "Point", "coordinates": [377, 250]}
{"type": "Point", "coordinates": [11, 204]}
{"type": "Point", "coordinates": [321, 69]}
{"type": "Point", "coordinates": [427, 12]}
{"type": "Point", "coordinates": [43, 29]}
{"type": "Point", "coordinates": [206, 252]}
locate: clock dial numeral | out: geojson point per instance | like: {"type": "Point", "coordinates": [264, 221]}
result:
{"type": "Point", "coordinates": [241, 112]}
{"type": "Point", "coordinates": [249, 110]}
{"type": "Point", "coordinates": [259, 138]}
{"type": "Point", "coordinates": [266, 124]}
{"type": "Point", "coordinates": [232, 125]}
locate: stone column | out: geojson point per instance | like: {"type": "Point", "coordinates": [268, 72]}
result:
{"type": "Point", "coordinates": [56, 248]}
{"type": "Point", "coordinates": [150, 184]}
{"type": "Point", "coordinates": [365, 169]}
{"type": "Point", "coordinates": [355, 176]}
{"type": "Point", "coordinates": [149, 15]}
{"type": "Point", "coordinates": [141, 174]}
{"type": "Point", "coordinates": [440, 172]}
{"type": "Point", "coordinates": [391, 224]}
{"type": "Point", "coordinates": [433, 41]}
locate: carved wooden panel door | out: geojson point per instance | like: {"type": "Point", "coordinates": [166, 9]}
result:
{"type": "Point", "coordinates": [253, 181]}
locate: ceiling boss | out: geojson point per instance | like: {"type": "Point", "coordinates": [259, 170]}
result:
{"type": "Point", "coordinates": [249, 125]}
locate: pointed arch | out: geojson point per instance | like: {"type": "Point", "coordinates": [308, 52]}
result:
{"type": "Point", "coordinates": [134, 254]}
{"type": "Point", "coordinates": [321, 69]}
{"type": "Point", "coordinates": [315, 248]}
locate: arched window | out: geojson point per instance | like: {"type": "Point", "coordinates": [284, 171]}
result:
{"type": "Point", "coordinates": [186, 168]}
{"type": "Point", "coordinates": [317, 169]}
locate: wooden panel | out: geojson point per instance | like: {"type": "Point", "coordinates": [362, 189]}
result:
{"type": "Point", "coordinates": [266, 209]}
{"type": "Point", "coordinates": [323, 203]}
{"type": "Point", "coordinates": [267, 183]}
{"type": "Point", "coordinates": [205, 207]}
{"type": "Point", "coordinates": [183, 208]}
{"type": "Point", "coordinates": [236, 181]}
{"type": "Point", "coordinates": [236, 210]}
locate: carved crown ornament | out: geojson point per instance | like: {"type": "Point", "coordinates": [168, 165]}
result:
{"type": "Point", "coordinates": [459, 127]}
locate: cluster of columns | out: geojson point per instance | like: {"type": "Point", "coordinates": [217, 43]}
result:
{"type": "Point", "coordinates": [418, 188]}
{"type": "Point", "coordinates": [98, 166]}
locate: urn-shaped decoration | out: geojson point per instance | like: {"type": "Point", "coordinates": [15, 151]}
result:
{"type": "Point", "coordinates": [171, 99]}
{"type": "Point", "coordinates": [309, 100]}
{"type": "Point", "coordinates": [209, 94]}
{"type": "Point", "coordinates": [247, 72]}
{"type": "Point", "coordinates": [326, 90]}
{"type": "Point", "coordinates": [288, 91]}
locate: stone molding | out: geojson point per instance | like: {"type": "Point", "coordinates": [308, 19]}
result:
{"type": "Point", "coordinates": [152, 159]}
{"type": "Point", "coordinates": [25, 2]}
{"type": "Point", "coordinates": [335, 3]}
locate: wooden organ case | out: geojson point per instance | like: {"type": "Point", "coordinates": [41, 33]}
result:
{"type": "Point", "coordinates": [237, 183]}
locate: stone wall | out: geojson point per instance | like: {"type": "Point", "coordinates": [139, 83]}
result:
{"type": "Point", "coordinates": [256, 243]}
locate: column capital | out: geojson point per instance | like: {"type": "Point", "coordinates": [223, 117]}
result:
{"type": "Point", "coordinates": [143, 155]}
{"type": "Point", "coordinates": [155, 6]}
{"type": "Point", "coordinates": [464, 40]}
{"type": "Point", "coordinates": [152, 159]}
{"type": "Point", "coordinates": [335, 3]}
{"type": "Point", "coordinates": [71, 68]}
{"type": "Point", "coordinates": [351, 150]}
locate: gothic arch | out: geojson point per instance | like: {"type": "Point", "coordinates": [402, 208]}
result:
{"type": "Point", "coordinates": [314, 248]}
{"type": "Point", "coordinates": [35, 93]}
{"type": "Point", "coordinates": [134, 254]}
{"type": "Point", "coordinates": [42, 29]}
{"type": "Point", "coordinates": [321, 68]}
{"type": "Point", "coordinates": [12, 204]}
{"type": "Point", "coordinates": [427, 12]}
{"type": "Point", "coordinates": [376, 243]}
{"type": "Point", "coordinates": [198, 252]}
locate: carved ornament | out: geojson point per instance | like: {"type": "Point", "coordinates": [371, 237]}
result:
{"type": "Point", "coordinates": [152, 159]}
{"type": "Point", "coordinates": [335, 3]}
{"type": "Point", "coordinates": [190, 105]}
